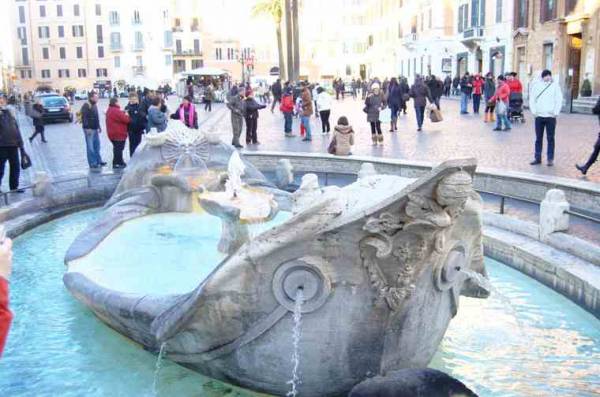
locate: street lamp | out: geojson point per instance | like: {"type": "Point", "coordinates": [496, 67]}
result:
{"type": "Point", "coordinates": [246, 60]}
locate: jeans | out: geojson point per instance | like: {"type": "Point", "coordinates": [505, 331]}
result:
{"type": "Point", "coordinates": [549, 124]}
{"type": "Point", "coordinates": [420, 111]}
{"type": "Point", "coordinates": [287, 124]}
{"type": "Point", "coordinates": [502, 119]}
{"type": "Point", "coordinates": [118, 147]}
{"type": "Point", "coordinates": [376, 127]}
{"type": "Point", "coordinates": [325, 120]}
{"type": "Point", "coordinates": [464, 102]}
{"type": "Point", "coordinates": [306, 123]}
{"type": "Point", "coordinates": [92, 146]}
{"type": "Point", "coordinates": [395, 109]}
{"type": "Point", "coordinates": [276, 99]}
{"type": "Point", "coordinates": [135, 138]}
{"type": "Point", "coordinates": [251, 127]}
{"type": "Point", "coordinates": [476, 101]}
{"type": "Point", "coordinates": [594, 156]}
{"type": "Point", "coordinates": [12, 155]}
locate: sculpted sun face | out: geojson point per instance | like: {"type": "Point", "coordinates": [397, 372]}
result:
{"type": "Point", "coordinates": [454, 189]}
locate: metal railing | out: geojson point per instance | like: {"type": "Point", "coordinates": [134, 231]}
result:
{"type": "Point", "coordinates": [4, 196]}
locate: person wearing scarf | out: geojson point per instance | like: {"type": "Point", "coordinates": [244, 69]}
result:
{"type": "Point", "coordinates": [187, 113]}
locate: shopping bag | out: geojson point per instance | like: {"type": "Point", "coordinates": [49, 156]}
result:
{"type": "Point", "coordinates": [435, 115]}
{"type": "Point", "coordinates": [25, 160]}
{"type": "Point", "coordinates": [501, 108]}
{"type": "Point", "coordinates": [385, 116]}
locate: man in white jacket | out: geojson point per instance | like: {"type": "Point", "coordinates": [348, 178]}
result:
{"type": "Point", "coordinates": [545, 102]}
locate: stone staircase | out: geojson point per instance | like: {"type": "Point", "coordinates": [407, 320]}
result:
{"type": "Point", "coordinates": [584, 104]}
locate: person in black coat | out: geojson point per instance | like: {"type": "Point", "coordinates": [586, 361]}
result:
{"type": "Point", "coordinates": [136, 126]}
{"type": "Point", "coordinates": [596, 151]}
{"type": "Point", "coordinates": [37, 112]}
{"type": "Point", "coordinates": [404, 90]}
{"type": "Point", "coordinates": [420, 94]}
{"type": "Point", "coordinates": [436, 89]}
{"type": "Point", "coordinates": [11, 143]}
{"type": "Point", "coordinates": [277, 90]}
{"type": "Point", "coordinates": [394, 101]}
{"type": "Point", "coordinates": [251, 108]}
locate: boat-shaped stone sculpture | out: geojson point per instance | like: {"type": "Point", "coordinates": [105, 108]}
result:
{"type": "Point", "coordinates": [381, 264]}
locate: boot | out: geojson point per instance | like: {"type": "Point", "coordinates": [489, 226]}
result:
{"type": "Point", "coordinates": [486, 117]}
{"type": "Point", "coordinates": [380, 138]}
{"type": "Point", "coordinates": [492, 117]}
{"type": "Point", "coordinates": [374, 139]}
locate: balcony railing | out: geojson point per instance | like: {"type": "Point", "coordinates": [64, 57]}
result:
{"type": "Point", "coordinates": [473, 34]}
{"type": "Point", "coordinates": [195, 28]}
{"type": "Point", "coordinates": [188, 53]}
{"type": "Point", "coordinates": [409, 40]}
{"type": "Point", "coordinates": [177, 29]}
{"type": "Point", "coordinates": [138, 70]}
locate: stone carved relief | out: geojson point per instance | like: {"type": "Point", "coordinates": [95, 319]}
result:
{"type": "Point", "coordinates": [397, 237]}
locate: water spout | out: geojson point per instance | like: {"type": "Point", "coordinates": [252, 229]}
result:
{"type": "Point", "coordinates": [235, 170]}
{"type": "Point", "coordinates": [161, 354]}
{"type": "Point", "coordinates": [295, 381]}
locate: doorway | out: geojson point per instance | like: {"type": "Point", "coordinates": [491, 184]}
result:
{"type": "Point", "coordinates": [478, 61]}
{"type": "Point", "coordinates": [462, 64]}
{"type": "Point", "coordinates": [574, 62]}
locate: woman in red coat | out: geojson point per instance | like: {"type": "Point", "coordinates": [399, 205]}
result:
{"type": "Point", "coordinates": [477, 91]}
{"type": "Point", "coordinates": [116, 128]}
{"type": "Point", "coordinates": [5, 267]}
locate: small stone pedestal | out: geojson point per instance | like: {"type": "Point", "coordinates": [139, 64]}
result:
{"type": "Point", "coordinates": [553, 213]}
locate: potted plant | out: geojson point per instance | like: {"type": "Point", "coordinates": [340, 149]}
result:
{"type": "Point", "coordinates": [586, 88]}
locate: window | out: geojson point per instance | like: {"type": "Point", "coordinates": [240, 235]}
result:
{"type": "Point", "coordinates": [194, 27]}
{"type": "Point", "coordinates": [400, 34]}
{"type": "Point", "coordinates": [548, 54]}
{"type": "Point", "coordinates": [179, 66]}
{"type": "Point", "coordinates": [22, 34]}
{"type": "Point", "coordinates": [101, 72]}
{"type": "Point", "coordinates": [178, 46]}
{"type": "Point", "coordinates": [548, 10]}
{"type": "Point", "coordinates": [230, 53]}
{"type": "Point", "coordinates": [63, 73]}
{"type": "Point", "coordinates": [62, 53]}
{"type": "Point", "coordinates": [45, 73]}
{"type": "Point", "coordinates": [430, 25]}
{"type": "Point", "coordinates": [113, 18]}
{"type": "Point", "coordinates": [61, 31]}
{"type": "Point", "coordinates": [115, 41]}
{"type": "Point", "coordinates": [45, 53]}
{"type": "Point", "coordinates": [117, 62]}
{"type": "Point", "coordinates": [43, 32]}
{"type": "Point", "coordinates": [139, 40]}
{"type": "Point", "coordinates": [570, 6]}
{"type": "Point", "coordinates": [22, 74]}
{"type": "Point", "coordinates": [521, 11]}
{"type": "Point", "coordinates": [81, 73]}
{"type": "Point", "coordinates": [77, 30]}
{"type": "Point", "coordinates": [76, 10]}
{"type": "Point", "coordinates": [99, 34]}
{"type": "Point", "coordinates": [98, 10]}
{"type": "Point", "coordinates": [168, 37]}
{"type": "Point", "coordinates": [79, 51]}
{"type": "Point", "coordinates": [168, 59]}
{"type": "Point", "coordinates": [177, 23]}
{"type": "Point", "coordinates": [21, 14]}
{"type": "Point", "coordinates": [218, 54]}
{"type": "Point", "coordinates": [498, 11]}
{"type": "Point", "coordinates": [196, 46]}
{"type": "Point", "coordinates": [139, 60]}
{"type": "Point", "coordinates": [25, 55]}
{"type": "Point", "coordinates": [136, 17]}
{"type": "Point", "coordinates": [59, 12]}
{"type": "Point", "coordinates": [474, 13]}
{"type": "Point", "coordinates": [197, 63]}
{"type": "Point", "coordinates": [100, 51]}
{"type": "Point", "coordinates": [42, 11]}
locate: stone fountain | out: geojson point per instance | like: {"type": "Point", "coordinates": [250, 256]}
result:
{"type": "Point", "coordinates": [381, 264]}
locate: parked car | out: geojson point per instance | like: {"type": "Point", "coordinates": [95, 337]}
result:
{"type": "Point", "coordinates": [56, 107]}
{"type": "Point", "coordinates": [81, 95]}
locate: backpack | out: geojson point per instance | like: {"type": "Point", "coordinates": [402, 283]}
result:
{"type": "Point", "coordinates": [287, 104]}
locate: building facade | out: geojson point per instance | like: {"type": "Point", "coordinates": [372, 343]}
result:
{"type": "Point", "coordinates": [59, 44]}
{"type": "Point", "coordinates": [186, 27]}
{"type": "Point", "coordinates": [484, 28]}
{"type": "Point", "coordinates": [559, 35]}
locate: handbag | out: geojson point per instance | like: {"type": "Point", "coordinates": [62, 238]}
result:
{"type": "Point", "coordinates": [332, 146]}
{"type": "Point", "coordinates": [501, 108]}
{"type": "Point", "coordinates": [25, 160]}
{"type": "Point", "coordinates": [385, 116]}
{"type": "Point", "coordinates": [405, 97]}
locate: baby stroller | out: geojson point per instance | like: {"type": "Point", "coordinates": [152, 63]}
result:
{"type": "Point", "coordinates": [515, 107]}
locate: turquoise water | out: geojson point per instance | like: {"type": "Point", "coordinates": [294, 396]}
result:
{"type": "Point", "coordinates": [539, 345]}
{"type": "Point", "coordinates": [159, 254]}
